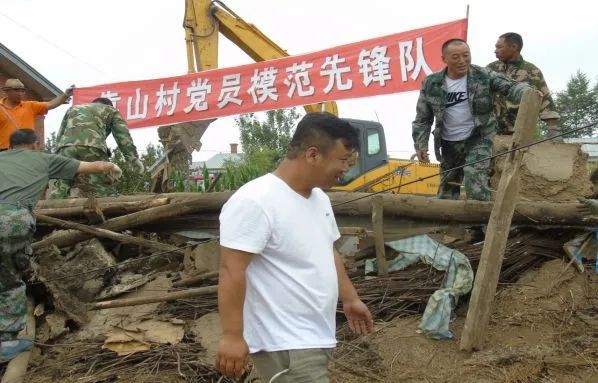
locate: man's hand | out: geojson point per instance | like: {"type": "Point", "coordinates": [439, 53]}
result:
{"type": "Point", "coordinates": [68, 92]}
{"type": "Point", "coordinates": [115, 172]}
{"type": "Point", "coordinates": [422, 156]}
{"type": "Point", "coordinates": [232, 356]}
{"type": "Point", "coordinates": [359, 317]}
{"type": "Point", "coordinates": [587, 206]}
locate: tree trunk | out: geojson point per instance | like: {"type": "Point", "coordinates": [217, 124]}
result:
{"type": "Point", "coordinates": [211, 202]}
{"type": "Point", "coordinates": [158, 246]}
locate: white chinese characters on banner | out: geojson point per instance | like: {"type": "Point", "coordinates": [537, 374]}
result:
{"type": "Point", "coordinates": [374, 65]}
{"type": "Point", "coordinates": [408, 63]}
{"type": "Point", "coordinates": [262, 85]}
{"type": "Point", "coordinates": [198, 93]}
{"type": "Point", "coordinates": [298, 80]}
{"type": "Point", "coordinates": [167, 98]}
{"type": "Point", "coordinates": [231, 86]}
{"type": "Point", "coordinates": [335, 73]}
{"type": "Point", "coordinates": [137, 114]}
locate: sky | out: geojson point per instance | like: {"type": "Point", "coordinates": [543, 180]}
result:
{"type": "Point", "coordinates": [89, 43]}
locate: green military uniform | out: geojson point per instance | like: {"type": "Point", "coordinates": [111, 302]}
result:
{"type": "Point", "coordinates": [481, 85]}
{"type": "Point", "coordinates": [521, 71]}
{"type": "Point", "coordinates": [82, 136]}
{"type": "Point", "coordinates": [25, 176]}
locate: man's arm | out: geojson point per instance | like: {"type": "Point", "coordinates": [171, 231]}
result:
{"type": "Point", "coordinates": [98, 167]}
{"type": "Point", "coordinates": [422, 125]}
{"type": "Point", "coordinates": [502, 84]}
{"type": "Point", "coordinates": [548, 111]}
{"type": "Point", "coordinates": [357, 313]}
{"type": "Point", "coordinates": [233, 351]}
{"type": "Point", "coordinates": [61, 99]}
{"type": "Point", "coordinates": [122, 136]}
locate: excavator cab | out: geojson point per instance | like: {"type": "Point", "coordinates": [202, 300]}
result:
{"type": "Point", "coordinates": [374, 171]}
{"type": "Point", "coordinates": [372, 149]}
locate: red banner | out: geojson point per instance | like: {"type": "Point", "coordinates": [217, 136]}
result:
{"type": "Point", "coordinates": [390, 64]}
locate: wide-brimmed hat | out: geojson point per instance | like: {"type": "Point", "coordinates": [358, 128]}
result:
{"type": "Point", "coordinates": [13, 83]}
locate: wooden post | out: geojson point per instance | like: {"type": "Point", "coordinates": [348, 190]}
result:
{"type": "Point", "coordinates": [378, 226]}
{"type": "Point", "coordinates": [486, 280]}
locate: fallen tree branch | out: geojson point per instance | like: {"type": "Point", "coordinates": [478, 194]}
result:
{"type": "Point", "coordinates": [212, 202]}
{"type": "Point", "coordinates": [109, 209]}
{"type": "Point", "coordinates": [166, 297]}
{"type": "Point", "coordinates": [98, 232]}
{"type": "Point", "coordinates": [195, 279]}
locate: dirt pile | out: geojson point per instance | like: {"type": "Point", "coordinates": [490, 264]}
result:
{"type": "Point", "coordinates": [544, 329]}
{"type": "Point", "coordinates": [550, 171]}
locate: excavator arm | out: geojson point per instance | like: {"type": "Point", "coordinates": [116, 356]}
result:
{"type": "Point", "coordinates": [205, 19]}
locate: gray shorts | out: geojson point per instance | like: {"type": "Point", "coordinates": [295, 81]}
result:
{"type": "Point", "coordinates": [293, 366]}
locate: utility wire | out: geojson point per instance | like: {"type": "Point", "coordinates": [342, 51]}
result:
{"type": "Point", "coordinates": [468, 164]}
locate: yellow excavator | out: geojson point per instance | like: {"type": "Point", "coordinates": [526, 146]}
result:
{"type": "Point", "coordinates": [373, 170]}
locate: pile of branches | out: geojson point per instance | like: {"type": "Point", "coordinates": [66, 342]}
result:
{"type": "Point", "coordinates": [88, 363]}
{"type": "Point", "coordinates": [406, 292]}
{"type": "Point", "coordinates": [526, 249]}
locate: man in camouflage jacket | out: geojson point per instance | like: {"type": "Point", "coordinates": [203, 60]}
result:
{"type": "Point", "coordinates": [459, 99]}
{"type": "Point", "coordinates": [82, 136]}
{"type": "Point", "coordinates": [25, 174]}
{"type": "Point", "coordinates": [511, 63]}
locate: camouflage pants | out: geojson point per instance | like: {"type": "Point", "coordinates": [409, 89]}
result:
{"type": "Point", "coordinates": [17, 226]}
{"type": "Point", "coordinates": [474, 177]}
{"type": "Point", "coordinates": [88, 184]}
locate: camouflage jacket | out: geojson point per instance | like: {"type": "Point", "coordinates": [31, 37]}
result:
{"type": "Point", "coordinates": [90, 125]}
{"type": "Point", "coordinates": [521, 71]}
{"type": "Point", "coordinates": [482, 84]}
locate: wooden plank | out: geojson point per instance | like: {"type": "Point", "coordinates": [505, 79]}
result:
{"type": "Point", "coordinates": [378, 226]}
{"type": "Point", "coordinates": [486, 280]}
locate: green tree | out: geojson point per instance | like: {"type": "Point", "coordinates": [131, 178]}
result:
{"type": "Point", "coordinates": [272, 134]}
{"type": "Point", "coordinates": [50, 146]}
{"type": "Point", "coordinates": [578, 105]}
{"type": "Point", "coordinates": [264, 144]}
{"type": "Point", "coordinates": [132, 181]}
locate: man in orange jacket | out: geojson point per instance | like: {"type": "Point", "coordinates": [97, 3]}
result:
{"type": "Point", "coordinates": [18, 114]}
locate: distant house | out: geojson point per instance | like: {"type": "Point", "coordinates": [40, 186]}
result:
{"type": "Point", "coordinates": [38, 87]}
{"type": "Point", "coordinates": [589, 145]}
{"type": "Point", "coordinates": [216, 163]}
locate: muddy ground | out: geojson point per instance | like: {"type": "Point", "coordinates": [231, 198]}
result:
{"type": "Point", "coordinates": [544, 329]}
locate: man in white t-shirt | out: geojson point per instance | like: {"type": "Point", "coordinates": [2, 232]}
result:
{"type": "Point", "coordinates": [280, 275]}
{"type": "Point", "coordinates": [460, 99]}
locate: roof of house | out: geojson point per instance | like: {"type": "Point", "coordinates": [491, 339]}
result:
{"type": "Point", "coordinates": [217, 161]}
{"type": "Point", "coordinates": [589, 145]}
{"type": "Point", "coordinates": [16, 67]}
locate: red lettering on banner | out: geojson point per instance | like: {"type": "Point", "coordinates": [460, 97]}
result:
{"type": "Point", "coordinates": [384, 65]}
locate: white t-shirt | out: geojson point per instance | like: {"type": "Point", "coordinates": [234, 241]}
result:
{"type": "Point", "coordinates": [292, 284]}
{"type": "Point", "coordinates": [458, 121]}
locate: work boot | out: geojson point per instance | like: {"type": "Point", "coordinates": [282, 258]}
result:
{"type": "Point", "coordinates": [9, 349]}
